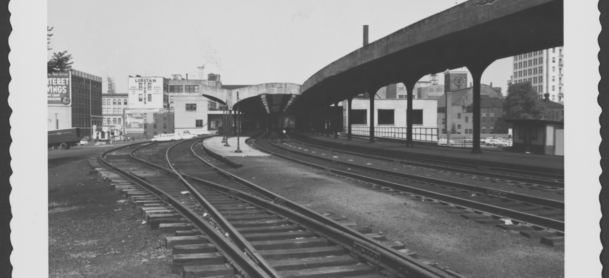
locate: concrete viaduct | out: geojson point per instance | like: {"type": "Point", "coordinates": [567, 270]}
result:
{"type": "Point", "coordinates": [472, 34]}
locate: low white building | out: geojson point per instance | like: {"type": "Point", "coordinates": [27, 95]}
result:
{"type": "Point", "coordinates": [191, 113]}
{"type": "Point", "coordinates": [390, 117]}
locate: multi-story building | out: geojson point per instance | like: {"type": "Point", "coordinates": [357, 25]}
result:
{"type": "Point", "coordinates": [148, 112]}
{"type": "Point", "coordinates": [544, 69]}
{"type": "Point", "coordinates": [74, 100]}
{"type": "Point", "coordinates": [113, 107]}
{"type": "Point", "coordinates": [461, 111]}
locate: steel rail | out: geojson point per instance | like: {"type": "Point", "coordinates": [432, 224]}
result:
{"type": "Point", "coordinates": [469, 170]}
{"type": "Point", "coordinates": [235, 235]}
{"type": "Point", "coordinates": [494, 192]}
{"type": "Point", "coordinates": [349, 238]}
{"type": "Point", "coordinates": [245, 264]}
{"type": "Point", "coordinates": [494, 210]}
{"type": "Point", "coordinates": [549, 173]}
{"type": "Point", "coordinates": [360, 246]}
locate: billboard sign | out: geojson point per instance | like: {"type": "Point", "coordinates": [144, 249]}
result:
{"type": "Point", "coordinates": [135, 119]}
{"type": "Point", "coordinates": [58, 89]}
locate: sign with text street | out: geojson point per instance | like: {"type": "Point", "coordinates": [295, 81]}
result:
{"type": "Point", "coordinates": [58, 89]}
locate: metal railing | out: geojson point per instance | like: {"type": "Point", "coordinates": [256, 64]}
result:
{"type": "Point", "coordinates": [418, 133]}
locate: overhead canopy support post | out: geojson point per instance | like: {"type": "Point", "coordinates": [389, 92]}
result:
{"type": "Point", "coordinates": [372, 94]}
{"type": "Point", "coordinates": [476, 70]}
{"type": "Point", "coordinates": [409, 83]}
{"type": "Point", "coordinates": [327, 120]}
{"type": "Point", "coordinates": [349, 101]}
{"type": "Point", "coordinates": [335, 125]}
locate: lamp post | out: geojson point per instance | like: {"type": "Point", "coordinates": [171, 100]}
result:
{"type": "Point", "coordinates": [225, 125]}
{"type": "Point", "coordinates": [56, 121]}
{"type": "Point", "coordinates": [223, 128]}
{"type": "Point", "coordinates": [238, 125]}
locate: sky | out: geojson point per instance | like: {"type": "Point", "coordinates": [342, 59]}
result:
{"type": "Point", "coordinates": [246, 42]}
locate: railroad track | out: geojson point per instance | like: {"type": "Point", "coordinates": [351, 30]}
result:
{"type": "Point", "coordinates": [509, 179]}
{"type": "Point", "coordinates": [534, 217]}
{"type": "Point", "coordinates": [273, 236]}
{"type": "Point", "coordinates": [553, 179]}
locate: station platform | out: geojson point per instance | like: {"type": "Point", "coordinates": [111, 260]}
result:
{"type": "Point", "coordinates": [215, 145]}
{"type": "Point", "coordinates": [523, 161]}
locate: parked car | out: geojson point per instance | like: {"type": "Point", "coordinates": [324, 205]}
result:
{"type": "Point", "coordinates": [504, 143]}
{"type": "Point", "coordinates": [186, 135]}
{"type": "Point", "coordinates": [166, 137]}
{"type": "Point", "coordinates": [85, 140]}
{"type": "Point", "coordinates": [443, 141]}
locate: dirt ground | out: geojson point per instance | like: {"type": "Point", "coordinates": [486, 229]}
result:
{"type": "Point", "coordinates": [93, 231]}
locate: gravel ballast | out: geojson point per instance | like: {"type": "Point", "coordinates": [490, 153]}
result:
{"type": "Point", "coordinates": [93, 231]}
{"type": "Point", "coordinates": [473, 249]}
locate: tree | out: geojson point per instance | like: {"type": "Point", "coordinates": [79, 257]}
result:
{"type": "Point", "coordinates": [453, 129]}
{"type": "Point", "coordinates": [49, 35]}
{"type": "Point", "coordinates": [522, 102]}
{"type": "Point", "coordinates": [60, 62]}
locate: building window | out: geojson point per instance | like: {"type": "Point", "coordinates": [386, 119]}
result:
{"type": "Point", "coordinates": [520, 65]}
{"type": "Point", "coordinates": [120, 120]}
{"type": "Point", "coordinates": [191, 107]}
{"type": "Point", "coordinates": [140, 86]}
{"type": "Point", "coordinates": [358, 116]}
{"type": "Point", "coordinates": [553, 88]}
{"type": "Point", "coordinates": [124, 101]}
{"type": "Point", "coordinates": [164, 126]}
{"type": "Point", "coordinates": [534, 62]}
{"type": "Point", "coordinates": [530, 63]}
{"type": "Point", "coordinates": [534, 79]}
{"type": "Point", "coordinates": [149, 86]}
{"type": "Point", "coordinates": [149, 97]}
{"type": "Point", "coordinates": [459, 126]}
{"type": "Point", "coordinates": [530, 71]}
{"type": "Point", "coordinates": [386, 117]}
{"type": "Point", "coordinates": [154, 125]}
{"type": "Point", "coordinates": [458, 115]}
{"type": "Point", "coordinates": [467, 119]}
{"type": "Point", "coordinates": [553, 78]}
{"type": "Point", "coordinates": [541, 79]}
{"type": "Point", "coordinates": [141, 97]}
{"type": "Point", "coordinates": [191, 88]}
{"type": "Point", "coordinates": [417, 117]}
{"type": "Point", "coordinates": [113, 120]}
{"type": "Point", "coordinates": [515, 65]}
{"type": "Point", "coordinates": [535, 71]}
{"type": "Point", "coordinates": [175, 88]}
{"type": "Point", "coordinates": [199, 123]}
{"type": "Point", "coordinates": [540, 60]}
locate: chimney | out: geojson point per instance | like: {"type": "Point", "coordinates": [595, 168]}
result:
{"type": "Point", "coordinates": [365, 35]}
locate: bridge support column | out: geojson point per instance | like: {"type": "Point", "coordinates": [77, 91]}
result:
{"type": "Point", "coordinates": [349, 101]}
{"type": "Point", "coordinates": [476, 70]}
{"type": "Point", "coordinates": [335, 125]}
{"type": "Point", "coordinates": [372, 94]}
{"type": "Point", "coordinates": [409, 83]}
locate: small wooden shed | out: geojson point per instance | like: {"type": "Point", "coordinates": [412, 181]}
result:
{"type": "Point", "coordinates": [538, 136]}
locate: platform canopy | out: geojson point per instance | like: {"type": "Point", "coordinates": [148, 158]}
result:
{"type": "Point", "coordinates": [473, 33]}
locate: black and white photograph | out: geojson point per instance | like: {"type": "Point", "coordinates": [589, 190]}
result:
{"type": "Point", "coordinates": [428, 139]}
